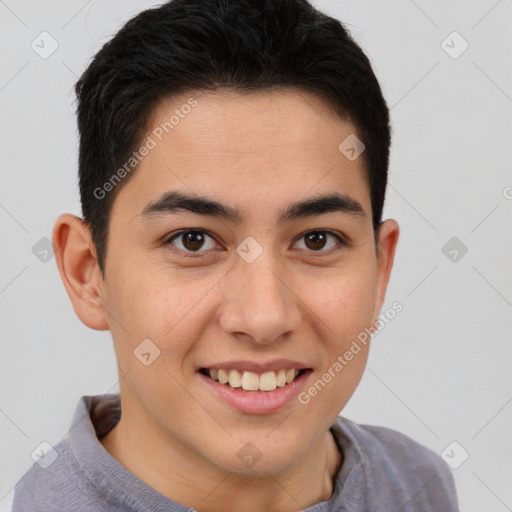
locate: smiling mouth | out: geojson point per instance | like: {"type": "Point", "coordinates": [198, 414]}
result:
{"type": "Point", "coordinates": [251, 381]}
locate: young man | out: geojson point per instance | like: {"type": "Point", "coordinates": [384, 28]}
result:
{"type": "Point", "coordinates": [233, 167]}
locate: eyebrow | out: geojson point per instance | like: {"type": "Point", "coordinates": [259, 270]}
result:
{"type": "Point", "coordinates": [174, 201]}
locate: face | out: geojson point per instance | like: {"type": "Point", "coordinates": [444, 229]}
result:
{"type": "Point", "coordinates": [245, 284]}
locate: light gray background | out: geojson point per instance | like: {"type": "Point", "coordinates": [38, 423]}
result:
{"type": "Point", "coordinates": [440, 372]}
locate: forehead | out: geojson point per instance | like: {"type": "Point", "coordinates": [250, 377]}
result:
{"type": "Point", "coordinates": [255, 149]}
{"type": "Point", "coordinates": [264, 120]}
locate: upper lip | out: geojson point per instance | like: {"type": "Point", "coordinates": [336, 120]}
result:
{"type": "Point", "coordinates": [258, 367]}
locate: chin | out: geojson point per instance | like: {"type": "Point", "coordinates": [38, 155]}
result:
{"type": "Point", "coordinates": [256, 459]}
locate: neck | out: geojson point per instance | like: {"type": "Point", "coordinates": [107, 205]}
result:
{"type": "Point", "coordinates": [189, 479]}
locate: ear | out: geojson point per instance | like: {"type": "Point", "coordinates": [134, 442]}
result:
{"type": "Point", "coordinates": [78, 267]}
{"type": "Point", "coordinates": [387, 242]}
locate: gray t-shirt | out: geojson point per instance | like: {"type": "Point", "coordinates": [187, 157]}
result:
{"type": "Point", "coordinates": [383, 471]}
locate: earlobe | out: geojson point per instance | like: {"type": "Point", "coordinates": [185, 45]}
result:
{"type": "Point", "coordinates": [387, 241]}
{"type": "Point", "coordinates": [76, 259]}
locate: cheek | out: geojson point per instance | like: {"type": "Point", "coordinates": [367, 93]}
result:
{"type": "Point", "coordinates": [168, 312]}
{"type": "Point", "coordinates": [165, 306]}
{"type": "Point", "coordinates": [343, 305]}
{"type": "Point", "coordinates": [344, 301]}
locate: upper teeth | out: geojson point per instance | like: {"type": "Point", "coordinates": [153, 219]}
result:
{"type": "Point", "coordinates": [250, 381]}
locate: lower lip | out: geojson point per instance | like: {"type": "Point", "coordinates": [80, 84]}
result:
{"type": "Point", "coordinates": [258, 402]}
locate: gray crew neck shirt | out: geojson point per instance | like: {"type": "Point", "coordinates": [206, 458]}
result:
{"type": "Point", "coordinates": [383, 471]}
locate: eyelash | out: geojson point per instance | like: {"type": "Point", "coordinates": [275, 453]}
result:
{"type": "Point", "coordinates": [191, 254]}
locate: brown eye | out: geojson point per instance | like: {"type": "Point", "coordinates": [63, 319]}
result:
{"type": "Point", "coordinates": [317, 240]}
{"type": "Point", "coordinates": [191, 240]}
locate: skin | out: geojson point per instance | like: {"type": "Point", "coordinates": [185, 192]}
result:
{"type": "Point", "coordinates": [258, 153]}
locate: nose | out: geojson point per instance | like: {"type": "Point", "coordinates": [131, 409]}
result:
{"type": "Point", "coordinates": [259, 302]}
